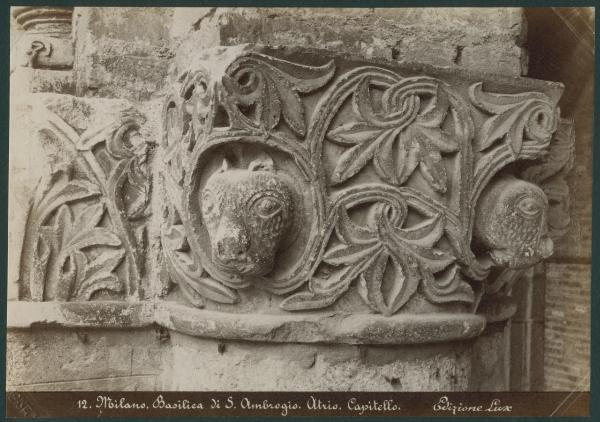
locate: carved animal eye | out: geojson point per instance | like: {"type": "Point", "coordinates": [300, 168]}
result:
{"type": "Point", "coordinates": [529, 207]}
{"type": "Point", "coordinates": [267, 206]}
{"type": "Point", "coordinates": [207, 202]}
{"type": "Point", "coordinates": [247, 79]}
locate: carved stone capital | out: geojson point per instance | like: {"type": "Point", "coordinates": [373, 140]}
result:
{"type": "Point", "coordinates": [43, 18]}
{"type": "Point", "coordinates": [46, 43]}
{"type": "Point", "coordinates": [289, 186]}
{"type": "Point", "coordinates": [317, 177]}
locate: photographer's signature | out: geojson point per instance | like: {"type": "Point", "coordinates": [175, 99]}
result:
{"type": "Point", "coordinates": [494, 406]}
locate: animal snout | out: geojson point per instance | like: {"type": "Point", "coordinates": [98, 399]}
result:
{"type": "Point", "coordinates": [233, 247]}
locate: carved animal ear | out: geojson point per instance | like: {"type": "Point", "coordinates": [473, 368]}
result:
{"type": "Point", "coordinates": [262, 162]}
{"type": "Point", "coordinates": [224, 166]}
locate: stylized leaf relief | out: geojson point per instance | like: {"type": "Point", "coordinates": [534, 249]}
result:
{"type": "Point", "coordinates": [516, 118]}
{"type": "Point", "coordinates": [74, 257]}
{"type": "Point", "coordinates": [84, 220]}
{"type": "Point", "coordinates": [383, 245]}
{"type": "Point", "coordinates": [404, 135]}
{"type": "Point", "coordinates": [549, 173]}
{"type": "Point", "coordinates": [449, 286]}
{"type": "Point", "coordinates": [189, 275]}
{"type": "Point", "coordinates": [121, 165]}
{"type": "Point", "coordinates": [401, 172]}
{"type": "Point", "coordinates": [273, 86]}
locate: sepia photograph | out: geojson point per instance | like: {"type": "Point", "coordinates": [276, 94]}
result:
{"type": "Point", "coordinates": [252, 211]}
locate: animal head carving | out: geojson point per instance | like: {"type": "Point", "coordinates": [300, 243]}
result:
{"type": "Point", "coordinates": [247, 213]}
{"type": "Point", "coordinates": [511, 223]}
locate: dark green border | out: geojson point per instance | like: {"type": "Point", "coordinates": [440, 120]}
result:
{"type": "Point", "coordinates": [4, 102]}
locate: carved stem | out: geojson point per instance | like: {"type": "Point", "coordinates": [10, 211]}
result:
{"type": "Point", "coordinates": [340, 91]}
{"type": "Point", "coordinates": [117, 216]}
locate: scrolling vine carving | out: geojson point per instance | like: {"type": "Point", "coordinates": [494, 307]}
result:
{"type": "Point", "coordinates": [384, 184]}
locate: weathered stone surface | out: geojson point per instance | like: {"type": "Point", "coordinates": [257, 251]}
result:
{"type": "Point", "coordinates": [469, 38]}
{"type": "Point", "coordinates": [367, 159]}
{"type": "Point", "coordinates": [489, 372]}
{"type": "Point", "coordinates": [25, 80]}
{"type": "Point", "coordinates": [41, 55]}
{"type": "Point", "coordinates": [526, 352]}
{"type": "Point", "coordinates": [300, 328]}
{"type": "Point", "coordinates": [22, 314]}
{"type": "Point", "coordinates": [50, 358]}
{"type": "Point", "coordinates": [577, 242]}
{"type": "Point", "coordinates": [84, 233]}
{"type": "Point", "coordinates": [292, 367]}
{"type": "Point", "coordinates": [45, 38]}
{"type": "Point", "coordinates": [326, 328]}
{"type": "Point", "coordinates": [125, 383]}
{"type": "Point", "coordinates": [139, 360]}
{"type": "Point", "coordinates": [121, 52]}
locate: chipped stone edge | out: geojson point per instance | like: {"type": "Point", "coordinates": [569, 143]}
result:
{"type": "Point", "coordinates": [277, 328]}
{"type": "Point", "coordinates": [454, 76]}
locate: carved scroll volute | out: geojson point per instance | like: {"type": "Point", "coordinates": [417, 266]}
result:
{"type": "Point", "coordinates": [284, 177]}
{"type": "Point", "coordinates": [46, 42]}
{"type": "Point", "coordinates": [85, 232]}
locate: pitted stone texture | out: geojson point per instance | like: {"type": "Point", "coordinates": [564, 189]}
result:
{"type": "Point", "coordinates": [51, 359]}
{"type": "Point", "coordinates": [488, 365]}
{"type": "Point", "coordinates": [121, 52]}
{"type": "Point", "coordinates": [204, 364]}
{"type": "Point", "coordinates": [247, 212]}
{"type": "Point", "coordinates": [25, 80]}
{"type": "Point", "coordinates": [487, 39]}
{"type": "Point", "coordinates": [55, 359]}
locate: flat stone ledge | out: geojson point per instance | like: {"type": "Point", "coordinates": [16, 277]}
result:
{"type": "Point", "coordinates": [284, 328]}
{"type": "Point", "coordinates": [21, 314]}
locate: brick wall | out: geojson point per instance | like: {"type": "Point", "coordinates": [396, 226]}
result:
{"type": "Point", "coordinates": [567, 333]}
{"type": "Point", "coordinates": [560, 44]}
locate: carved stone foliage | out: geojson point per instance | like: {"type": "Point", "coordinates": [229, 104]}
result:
{"type": "Point", "coordinates": [310, 178]}
{"type": "Point", "coordinates": [85, 232]}
{"type": "Point", "coordinates": [46, 43]}
{"type": "Point", "coordinates": [549, 173]}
